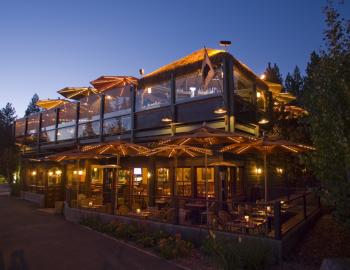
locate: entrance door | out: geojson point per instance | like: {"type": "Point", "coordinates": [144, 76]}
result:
{"type": "Point", "coordinates": [54, 187]}
{"type": "Point", "coordinates": [235, 185]}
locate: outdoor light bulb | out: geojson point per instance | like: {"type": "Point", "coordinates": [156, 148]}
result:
{"type": "Point", "coordinates": [109, 97]}
{"type": "Point", "coordinates": [263, 121]}
{"type": "Point", "coordinates": [75, 172]}
{"type": "Point", "coordinates": [33, 173]}
{"type": "Point", "coordinates": [95, 169]}
{"type": "Point", "coordinates": [80, 172]}
{"type": "Point", "coordinates": [246, 218]}
{"type": "Point", "coordinates": [50, 173]}
{"type": "Point", "coordinates": [149, 175]}
{"type": "Point", "coordinates": [138, 210]}
{"type": "Point", "coordinates": [149, 90]}
{"type": "Point", "coordinates": [268, 208]}
{"type": "Point", "coordinates": [90, 203]}
{"type": "Point", "coordinates": [220, 111]}
{"type": "Point", "coordinates": [282, 202]}
{"type": "Point", "coordinates": [58, 172]}
{"type": "Point", "coordinates": [258, 94]}
{"type": "Point", "coordinates": [263, 76]}
{"type": "Point", "coordinates": [258, 170]}
{"type": "Point", "coordinates": [192, 89]}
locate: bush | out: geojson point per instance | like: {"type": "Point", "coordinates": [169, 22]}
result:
{"type": "Point", "coordinates": [174, 247]}
{"type": "Point", "coordinates": [234, 254]}
{"type": "Point", "coordinates": [15, 189]}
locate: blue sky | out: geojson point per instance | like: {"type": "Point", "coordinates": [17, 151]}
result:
{"type": "Point", "coordinates": [48, 45]}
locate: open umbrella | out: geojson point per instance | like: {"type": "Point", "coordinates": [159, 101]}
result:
{"type": "Point", "coordinates": [266, 145]}
{"type": "Point", "coordinates": [48, 104]}
{"type": "Point", "coordinates": [104, 83]}
{"type": "Point", "coordinates": [118, 149]}
{"type": "Point", "coordinates": [77, 92]}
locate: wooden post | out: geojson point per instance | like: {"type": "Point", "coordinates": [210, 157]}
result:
{"type": "Point", "coordinates": [102, 112]}
{"type": "Point", "coordinates": [277, 220]}
{"type": "Point", "coordinates": [56, 123]}
{"type": "Point", "coordinates": [77, 123]}
{"type": "Point", "coordinates": [132, 114]}
{"type": "Point", "coordinates": [39, 132]}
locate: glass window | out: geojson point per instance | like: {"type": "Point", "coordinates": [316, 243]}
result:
{"type": "Point", "coordinates": [153, 96]}
{"type": "Point", "coordinates": [183, 182]}
{"type": "Point", "coordinates": [123, 187]}
{"type": "Point", "coordinates": [243, 87]}
{"type": "Point", "coordinates": [163, 182]}
{"type": "Point", "coordinates": [67, 114]}
{"type": "Point", "coordinates": [96, 182]}
{"type": "Point", "coordinates": [261, 100]}
{"type": "Point", "coordinates": [190, 86]}
{"type": "Point", "coordinates": [140, 181]}
{"type": "Point", "coordinates": [33, 126]}
{"type": "Point", "coordinates": [20, 127]}
{"type": "Point", "coordinates": [89, 108]}
{"type": "Point", "coordinates": [117, 125]}
{"type": "Point", "coordinates": [117, 102]}
{"type": "Point", "coordinates": [54, 177]}
{"type": "Point", "coordinates": [89, 129]}
{"type": "Point", "coordinates": [48, 124]}
{"type": "Point", "coordinates": [201, 182]}
{"type": "Point", "coordinates": [66, 133]}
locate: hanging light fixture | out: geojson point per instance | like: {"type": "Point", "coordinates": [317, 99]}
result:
{"type": "Point", "coordinates": [167, 119]}
{"type": "Point", "coordinates": [263, 121]}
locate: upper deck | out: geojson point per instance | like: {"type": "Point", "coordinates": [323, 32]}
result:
{"type": "Point", "coordinates": [137, 109]}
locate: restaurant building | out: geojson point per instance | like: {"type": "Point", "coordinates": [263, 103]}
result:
{"type": "Point", "coordinates": [169, 101]}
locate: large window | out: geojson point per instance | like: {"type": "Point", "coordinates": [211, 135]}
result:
{"type": "Point", "coordinates": [117, 102]}
{"type": "Point", "coordinates": [201, 182]}
{"type": "Point", "coordinates": [183, 182]}
{"type": "Point", "coordinates": [89, 116]}
{"type": "Point", "coordinates": [140, 181]}
{"type": "Point", "coordinates": [244, 89]}
{"type": "Point", "coordinates": [153, 96]}
{"type": "Point", "coordinates": [20, 127]}
{"type": "Point", "coordinates": [48, 123]}
{"type": "Point", "coordinates": [163, 182]}
{"type": "Point", "coordinates": [117, 125]}
{"type": "Point", "coordinates": [66, 123]}
{"type": "Point", "coordinates": [33, 126]}
{"type": "Point", "coordinates": [191, 86]}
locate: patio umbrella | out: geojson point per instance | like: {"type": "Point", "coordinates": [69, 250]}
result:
{"type": "Point", "coordinates": [104, 83]}
{"type": "Point", "coordinates": [77, 92]}
{"type": "Point", "coordinates": [177, 150]}
{"type": "Point", "coordinates": [266, 145]}
{"type": "Point", "coordinates": [118, 149]}
{"type": "Point", "coordinates": [207, 137]}
{"type": "Point", "coordinates": [48, 104]}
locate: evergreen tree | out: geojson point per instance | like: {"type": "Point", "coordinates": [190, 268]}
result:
{"type": "Point", "coordinates": [32, 107]}
{"type": "Point", "coordinates": [273, 74]}
{"type": "Point", "coordinates": [294, 82]}
{"type": "Point", "coordinates": [327, 97]}
{"type": "Point", "coordinates": [8, 115]}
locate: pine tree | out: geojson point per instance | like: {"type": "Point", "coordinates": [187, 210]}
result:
{"type": "Point", "coordinates": [294, 82]}
{"type": "Point", "coordinates": [32, 107]}
{"type": "Point", "coordinates": [8, 115]}
{"type": "Point", "coordinates": [273, 74]}
{"type": "Point", "coordinates": [326, 96]}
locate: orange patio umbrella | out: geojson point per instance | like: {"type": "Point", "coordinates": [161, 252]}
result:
{"type": "Point", "coordinates": [48, 104]}
{"type": "Point", "coordinates": [266, 145]}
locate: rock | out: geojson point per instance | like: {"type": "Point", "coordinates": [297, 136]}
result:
{"type": "Point", "coordinates": [335, 264]}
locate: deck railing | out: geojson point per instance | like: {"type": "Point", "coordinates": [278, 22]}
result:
{"type": "Point", "coordinates": [272, 220]}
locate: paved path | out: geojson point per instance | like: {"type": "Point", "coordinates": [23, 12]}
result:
{"type": "Point", "coordinates": [35, 240]}
{"type": "Point", "coordinates": [5, 190]}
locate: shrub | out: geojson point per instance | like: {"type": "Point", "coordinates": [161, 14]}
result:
{"type": "Point", "coordinates": [234, 254]}
{"type": "Point", "coordinates": [174, 247]}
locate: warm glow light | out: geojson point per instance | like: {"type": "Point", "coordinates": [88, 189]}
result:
{"type": "Point", "coordinates": [138, 210]}
{"type": "Point", "coordinates": [90, 203]}
{"type": "Point", "coordinates": [258, 170]}
{"type": "Point", "coordinates": [95, 169]}
{"type": "Point", "coordinates": [268, 208]}
{"type": "Point", "coordinates": [282, 202]}
{"type": "Point", "coordinates": [50, 173]}
{"type": "Point", "coordinates": [258, 94]}
{"type": "Point", "coordinates": [149, 175]}
{"type": "Point", "coordinates": [279, 170]}
{"type": "Point", "coordinates": [75, 172]}
{"type": "Point", "coordinates": [263, 76]}
{"type": "Point", "coordinates": [167, 119]}
{"type": "Point", "coordinates": [246, 218]}
{"type": "Point", "coordinates": [220, 110]}
{"type": "Point", "coordinates": [33, 173]}
{"type": "Point", "coordinates": [58, 172]}
{"type": "Point", "coordinates": [263, 121]}
{"type": "Point", "coordinates": [80, 172]}
{"type": "Point", "coordinates": [149, 90]}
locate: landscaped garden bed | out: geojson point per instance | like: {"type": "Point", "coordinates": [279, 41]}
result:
{"type": "Point", "coordinates": [214, 252]}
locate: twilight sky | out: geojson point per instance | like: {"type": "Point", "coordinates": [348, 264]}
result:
{"type": "Point", "coordinates": [48, 45]}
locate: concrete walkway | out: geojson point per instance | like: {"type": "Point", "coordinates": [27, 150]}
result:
{"type": "Point", "coordinates": [35, 240]}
